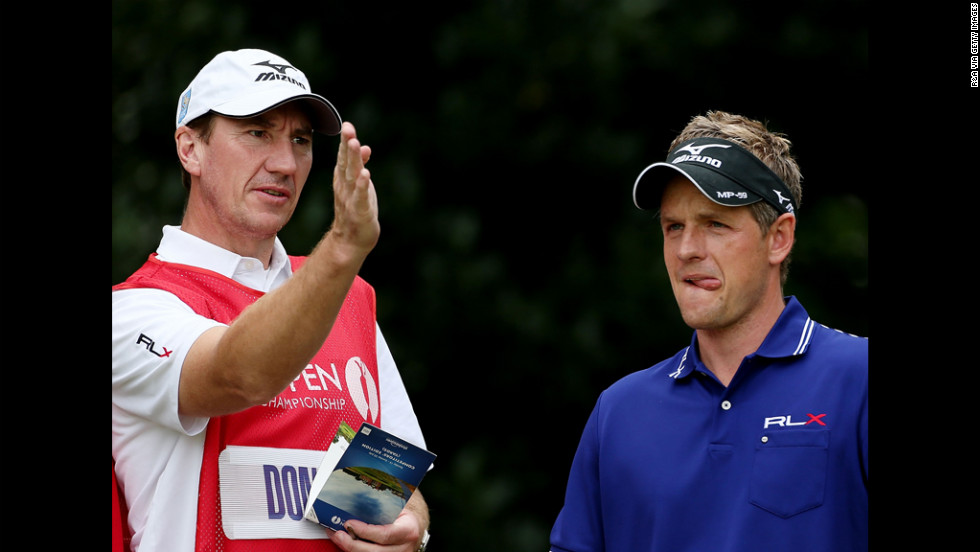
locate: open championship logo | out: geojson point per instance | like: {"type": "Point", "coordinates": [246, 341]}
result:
{"type": "Point", "coordinates": [362, 388]}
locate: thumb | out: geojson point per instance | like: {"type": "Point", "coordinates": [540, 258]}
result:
{"type": "Point", "coordinates": [342, 540]}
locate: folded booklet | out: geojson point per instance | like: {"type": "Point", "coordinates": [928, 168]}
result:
{"type": "Point", "coordinates": [368, 475]}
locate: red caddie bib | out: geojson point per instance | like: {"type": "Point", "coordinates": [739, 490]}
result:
{"type": "Point", "coordinates": [259, 464]}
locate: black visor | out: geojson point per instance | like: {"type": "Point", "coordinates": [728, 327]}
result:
{"type": "Point", "coordinates": [725, 172]}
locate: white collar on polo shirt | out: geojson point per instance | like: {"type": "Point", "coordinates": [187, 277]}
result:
{"type": "Point", "coordinates": [178, 246]}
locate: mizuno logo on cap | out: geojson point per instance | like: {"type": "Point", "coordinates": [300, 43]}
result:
{"type": "Point", "coordinates": [280, 73]}
{"type": "Point", "coordinates": [279, 67]}
{"type": "Point", "coordinates": [696, 150]}
{"type": "Point", "coordinates": [696, 157]}
{"type": "Point", "coordinates": [779, 196]}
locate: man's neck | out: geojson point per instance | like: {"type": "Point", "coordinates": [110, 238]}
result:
{"type": "Point", "coordinates": [244, 246]}
{"type": "Point", "coordinates": [722, 350]}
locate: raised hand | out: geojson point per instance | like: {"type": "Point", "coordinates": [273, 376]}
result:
{"type": "Point", "coordinates": [355, 200]}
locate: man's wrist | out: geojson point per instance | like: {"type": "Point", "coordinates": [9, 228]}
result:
{"type": "Point", "coordinates": [425, 541]}
{"type": "Point", "coordinates": [341, 252]}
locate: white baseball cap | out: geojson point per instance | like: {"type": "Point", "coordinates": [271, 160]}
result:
{"type": "Point", "coordinates": [245, 83]}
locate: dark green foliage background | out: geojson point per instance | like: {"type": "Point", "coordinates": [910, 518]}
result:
{"type": "Point", "coordinates": [515, 278]}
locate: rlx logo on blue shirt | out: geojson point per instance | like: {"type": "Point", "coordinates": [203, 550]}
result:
{"type": "Point", "coordinates": [787, 421]}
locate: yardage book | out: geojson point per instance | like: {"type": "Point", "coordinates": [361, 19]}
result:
{"type": "Point", "coordinates": [368, 475]}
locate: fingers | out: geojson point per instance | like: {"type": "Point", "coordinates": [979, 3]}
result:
{"type": "Point", "coordinates": [346, 133]}
{"type": "Point", "coordinates": [352, 156]}
{"type": "Point", "coordinates": [402, 534]}
{"type": "Point", "coordinates": [342, 540]}
{"type": "Point", "coordinates": [349, 156]}
{"type": "Point", "coordinates": [355, 200]}
{"type": "Point", "coordinates": [349, 541]}
{"type": "Point", "coordinates": [355, 164]}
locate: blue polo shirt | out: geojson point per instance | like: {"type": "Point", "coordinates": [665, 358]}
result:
{"type": "Point", "coordinates": [672, 461]}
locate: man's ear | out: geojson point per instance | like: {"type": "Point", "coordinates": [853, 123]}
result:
{"type": "Point", "coordinates": [782, 235]}
{"type": "Point", "coordinates": [187, 150]}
